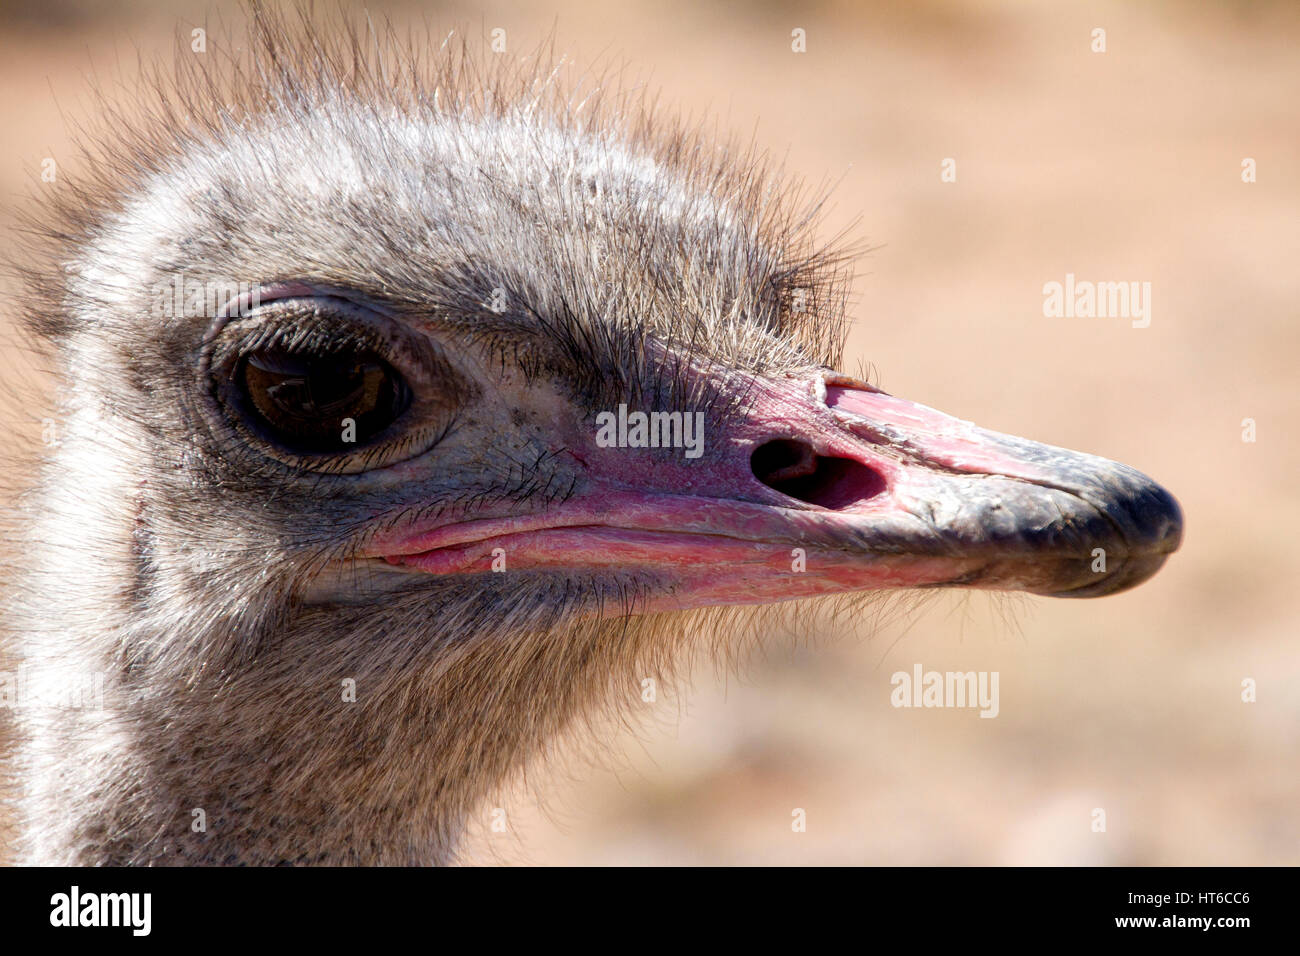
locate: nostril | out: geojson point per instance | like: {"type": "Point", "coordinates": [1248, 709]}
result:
{"type": "Point", "coordinates": [782, 460]}
{"type": "Point", "coordinates": [793, 468]}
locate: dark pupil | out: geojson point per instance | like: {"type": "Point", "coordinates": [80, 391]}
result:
{"type": "Point", "coordinates": [305, 400]}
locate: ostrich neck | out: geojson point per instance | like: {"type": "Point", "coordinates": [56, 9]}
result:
{"type": "Point", "coordinates": [255, 771]}
{"type": "Point", "coordinates": [165, 721]}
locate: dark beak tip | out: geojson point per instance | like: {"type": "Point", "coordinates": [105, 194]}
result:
{"type": "Point", "coordinates": [1155, 511]}
{"type": "Point", "coordinates": [1135, 525]}
{"type": "Point", "coordinates": [1172, 513]}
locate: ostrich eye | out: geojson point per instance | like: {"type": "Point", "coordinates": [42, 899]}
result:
{"type": "Point", "coordinates": [323, 403]}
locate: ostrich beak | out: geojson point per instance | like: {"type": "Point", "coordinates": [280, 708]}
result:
{"type": "Point", "coordinates": [824, 487]}
{"type": "Point", "coordinates": [1013, 513]}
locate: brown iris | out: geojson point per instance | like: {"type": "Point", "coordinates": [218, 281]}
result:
{"type": "Point", "coordinates": [323, 403]}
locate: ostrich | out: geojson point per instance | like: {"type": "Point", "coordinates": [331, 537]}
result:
{"type": "Point", "coordinates": [413, 407]}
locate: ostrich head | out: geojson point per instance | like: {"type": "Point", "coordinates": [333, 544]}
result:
{"type": "Point", "coordinates": [413, 408]}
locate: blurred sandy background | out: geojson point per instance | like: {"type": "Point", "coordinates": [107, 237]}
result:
{"type": "Point", "coordinates": [1117, 166]}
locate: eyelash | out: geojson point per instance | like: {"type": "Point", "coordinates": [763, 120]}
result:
{"type": "Point", "coordinates": [315, 341]}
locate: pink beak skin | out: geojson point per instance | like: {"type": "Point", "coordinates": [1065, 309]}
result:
{"type": "Point", "coordinates": [827, 486]}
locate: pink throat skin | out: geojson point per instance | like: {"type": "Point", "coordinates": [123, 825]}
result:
{"type": "Point", "coordinates": [894, 494]}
